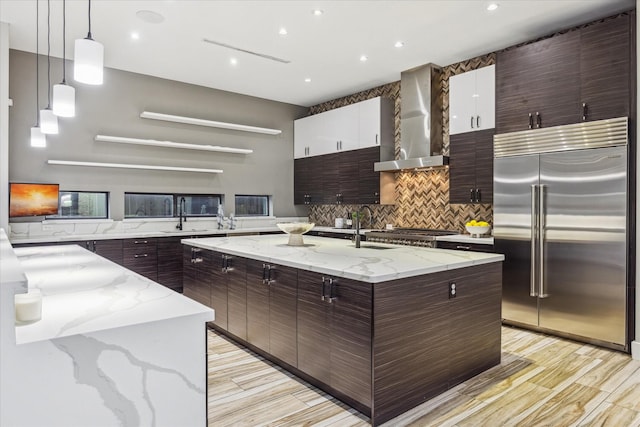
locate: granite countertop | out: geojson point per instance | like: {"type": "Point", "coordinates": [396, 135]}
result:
{"type": "Point", "coordinates": [140, 234]}
{"type": "Point", "coordinates": [373, 263]}
{"type": "Point", "coordinates": [83, 292]}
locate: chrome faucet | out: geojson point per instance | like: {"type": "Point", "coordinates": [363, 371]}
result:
{"type": "Point", "coordinates": [370, 214]}
{"type": "Point", "coordinates": [232, 221]}
{"type": "Point", "coordinates": [220, 217]}
{"type": "Point", "coordinates": [182, 208]}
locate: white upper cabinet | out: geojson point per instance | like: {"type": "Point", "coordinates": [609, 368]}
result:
{"type": "Point", "coordinates": [361, 125]}
{"type": "Point", "coordinates": [472, 100]}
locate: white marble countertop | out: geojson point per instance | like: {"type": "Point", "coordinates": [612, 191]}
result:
{"type": "Point", "coordinates": [139, 234]}
{"type": "Point", "coordinates": [466, 238]}
{"type": "Point", "coordinates": [373, 263]}
{"type": "Point", "coordinates": [83, 293]}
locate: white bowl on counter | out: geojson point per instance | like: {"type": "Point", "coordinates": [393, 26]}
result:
{"type": "Point", "coordinates": [477, 230]}
{"type": "Point", "coordinates": [295, 230]}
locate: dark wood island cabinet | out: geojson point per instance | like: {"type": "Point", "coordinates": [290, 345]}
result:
{"type": "Point", "coordinates": [382, 346]}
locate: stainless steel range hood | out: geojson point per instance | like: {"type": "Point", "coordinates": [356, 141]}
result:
{"type": "Point", "coordinates": [420, 121]}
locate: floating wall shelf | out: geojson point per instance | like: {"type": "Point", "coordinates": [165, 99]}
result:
{"type": "Point", "coordinates": [130, 166]}
{"type": "Point", "coordinates": [171, 144]}
{"type": "Point", "coordinates": [209, 123]}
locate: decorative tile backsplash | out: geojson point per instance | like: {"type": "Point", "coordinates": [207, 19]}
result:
{"type": "Point", "coordinates": [422, 198]}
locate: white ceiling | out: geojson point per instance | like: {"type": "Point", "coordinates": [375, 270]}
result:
{"type": "Point", "coordinates": [324, 48]}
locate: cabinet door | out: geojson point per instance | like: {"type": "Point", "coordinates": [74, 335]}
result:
{"type": "Point", "coordinates": [541, 77]}
{"type": "Point", "coordinates": [283, 294]}
{"type": "Point", "coordinates": [236, 274]}
{"type": "Point", "coordinates": [348, 177]}
{"type": "Point", "coordinates": [194, 285]}
{"type": "Point", "coordinates": [462, 103]}
{"type": "Point", "coordinates": [369, 123]}
{"type": "Point", "coordinates": [257, 306]}
{"type": "Point", "coordinates": [109, 249]}
{"type": "Point", "coordinates": [484, 164]}
{"type": "Point", "coordinates": [170, 262]}
{"type": "Point", "coordinates": [339, 131]}
{"type": "Point", "coordinates": [314, 330]}
{"type": "Point", "coordinates": [462, 175]}
{"type": "Point", "coordinates": [218, 283]}
{"type": "Point", "coordinates": [305, 133]}
{"type": "Point", "coordinates": [485, 101]}
{"type": "Point", "coordinates": [301, 180]}
{"type": "Point", "coordinates": [368, 179]}
{"type": "Point", "coordinates": [326, 169]}
{"type": "Point", "coordinates": [605, 67]}
{"type": "Point", "coordinates": [351, 328]}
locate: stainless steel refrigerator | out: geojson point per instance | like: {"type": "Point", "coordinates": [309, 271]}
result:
{"type": "Point", "coordinates": [561, 220]}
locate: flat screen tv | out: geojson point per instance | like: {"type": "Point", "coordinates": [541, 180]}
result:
{"type": "Point", "coordinates": [32, 199]}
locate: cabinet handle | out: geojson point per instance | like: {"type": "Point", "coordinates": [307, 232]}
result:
{"type": "Point", "coordinates": [196, 250]}
{"type": "Point", "coordinates": [530, 121]}
{"type": "Point", "coordinates": [466, 248]}
{"type": "Point", "coordinates": [337, 145]}
{"type": "Point", "coordinates": [471, 195]}
{"type": "Point", "coordinates": [264, 274]}
{"type": "Point", "coordinates": [585, 111]}
{"type": "Point", "coordinates": [137, 242]}
{"type": "Point", "coordinates": [538, 120]}
{"type": "Point", "coordinates": [478, 195]}
{"type": "Point", "coordinates": [471, 122]}
{"type": "Point", "coordinates": [377, 142]}
{"type": "Point", "coordinates": [327, 296]}
{"type": "Point", "coordinates": [197, 260]}
{"type": "Point", "coordinates": [141, 255]}
{"type": "Point", "coordinates": [478, 122]}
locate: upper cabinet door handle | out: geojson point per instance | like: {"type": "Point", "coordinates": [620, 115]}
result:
{"type": "Point", "coordinates": [530, 121]}
{"type": "Point", "coordinates": [377, 142]}
{"type": "Point", "coordinates": [471, 122]}
{"type": "Point", "coordinates": [478, 122]}
{"type": "Point", "coordinates": [585, 111]}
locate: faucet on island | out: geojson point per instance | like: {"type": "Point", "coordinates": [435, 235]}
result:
{"type": "Point", "coordinates": [220, 217]}
{"type": "Point", "coordinates": [358, 213]}
{"type": "Point", "coordinates": [182, 208]}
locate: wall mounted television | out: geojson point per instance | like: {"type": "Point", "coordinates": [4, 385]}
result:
{"type": "Point", "coordinates": [29, 199]}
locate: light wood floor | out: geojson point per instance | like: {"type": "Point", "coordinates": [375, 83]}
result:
{"type": "Point", "coordinates": [542, 381]}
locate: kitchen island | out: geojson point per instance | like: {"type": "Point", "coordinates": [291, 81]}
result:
{"type": "Point", "coordinates": [111, 348]}
{"type": "Point", "coordinates": [381, 327]}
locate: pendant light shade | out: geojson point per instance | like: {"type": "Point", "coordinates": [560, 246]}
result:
{"type": "Point", "coordinates": [48, 122]}
{"type": "Point", "coordinates": [64, 96]}
{"type": "Point", "coordinates": [37, 138]}
{"type": "Point", "coordinates": [88, 59]}
{"type": "Point", "coordinates": [64, 100]}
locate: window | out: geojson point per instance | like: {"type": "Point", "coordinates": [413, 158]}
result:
{"type": "Point", "coordinates": [199, 204]}
{"type": "Point", "coordinates": [147, 205]}
{"type": "Point", "coordinates": [252, 205]}
{"type": "Point", "coordinates": [82, 204]}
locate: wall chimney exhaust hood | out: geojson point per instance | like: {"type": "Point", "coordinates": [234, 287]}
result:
{"type": "Point", "coordinates": [420, 121]}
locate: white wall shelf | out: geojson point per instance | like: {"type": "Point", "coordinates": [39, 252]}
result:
{"type": "Point", "coordinates": [131, 166]}
{"type": "Point", "coordinates": [209, 123]}
{"type": "Point", "coordinates": [171, 144]}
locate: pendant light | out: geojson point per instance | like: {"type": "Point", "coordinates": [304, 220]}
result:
{"type": "Point", "coordinates": [48, 120]}
{"type": "Point", "coordinates": [37, 137]}
{"type": "Point", "coordinates": [64, 96]}
{"type": "Point", "coordinates": [88, 59]}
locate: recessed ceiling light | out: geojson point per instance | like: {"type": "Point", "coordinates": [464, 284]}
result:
{"type": "Point", "coordinates": [318, 12]}
{"type": "Point", "coordinates": [492, 6]}
{"type": "Point", "coordinates": [399, 44]}
{"type": "Point", "coordinates": [283, 31]}
{"type": "Point", "coordinates": [363, 58]}
{"type": "Point", "coordinates": [233, 61]}
{"type": "Point", "coordinates": [150, 16]}
{"type": "Point", "coordinates": [135, 36]}
{"type": "Point", "coordinates": [307, 80]}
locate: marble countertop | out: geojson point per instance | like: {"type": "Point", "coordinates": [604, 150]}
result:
{"type": "Point", "coordinates": [83, 293]}
{"type": "Point", "coordinates": [140, 234]}
{"type": "Point", "coordinates": [373, 263]}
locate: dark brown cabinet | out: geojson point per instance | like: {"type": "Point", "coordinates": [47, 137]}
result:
{"type": "Point", "coordinates": [110, 249]}
{"type": "Point", "coordinates": [334, 333]}
{"type": "Point", "coordinates": [235, 271]}
{"type": "Point", "coordinates": [170, 262]}
{"type": "Point", "coordinates": [583, 74]}
{"type": "Point", "coordinates": [308, 174]}
{"type": "Point", "coordinates": [141, 256]}
{"type": "Point", "coordinates": [219, 288]}
{"type": "Point", "coordinates": [197, 275]}
{"type": "Point", "coordinates": [471, 167]}
{"type": "Point", "coordinates": [271, 309]}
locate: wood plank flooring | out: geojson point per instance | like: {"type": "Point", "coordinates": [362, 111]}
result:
{"type": "Point", "coordinates": [542, 381]}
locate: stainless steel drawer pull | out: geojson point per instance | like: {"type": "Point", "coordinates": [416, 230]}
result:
{"type": "Point", "coordinates": [466, 248]}
{"type": "Point", "coordinates": [138, 242]}
{"type": "Point", "coordinates": [141, 255]}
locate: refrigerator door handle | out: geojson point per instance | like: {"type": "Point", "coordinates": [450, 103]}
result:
{"type": "Point", "coordinates": [534, 238]}
{"type": "Point", "coordinates": [541, 227]}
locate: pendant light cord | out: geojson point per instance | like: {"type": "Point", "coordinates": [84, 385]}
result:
{"type": "Point", "coordinates": [89, 35]}
{"type": "Point", "coordinates": [48, 54]}
{"type": "Point", "coordinates": [37, 65]}
{"type": "Point", "coordinates": [64, 42]}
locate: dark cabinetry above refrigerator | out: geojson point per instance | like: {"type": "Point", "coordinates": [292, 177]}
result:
{"type": "Point", "coordinates": [582, 75]}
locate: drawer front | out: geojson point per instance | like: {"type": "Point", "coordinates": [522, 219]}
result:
{"type": "Point", "coordinates": [463, 246]}
{"type": "Point", "coordinates": [141, 256]}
